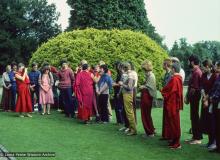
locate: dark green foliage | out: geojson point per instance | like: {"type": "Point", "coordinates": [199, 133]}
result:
{"type": "Point", "coordinates": [107, 45]}
{"type": "Point", "coordinates": [204, 50]}
{"type": "Point", "coordinates": [25, 24]}
{"type": "Point", "coordinates": [182, 50]}
{"type": "Point", "coordinates": [111, 14]}
{"type": "Point", "coordinates": [207, 50]}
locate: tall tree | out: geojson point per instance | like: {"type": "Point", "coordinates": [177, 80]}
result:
{"type": "Point", "coordinates": [204, 50]}
{"type": "Point", "coordinates": [207, 50]}
{"type": "Point", "coordinates": [25, 24]}
{"type": "Point", "coordinates": [182, 51]}
{"type": "Point", "coordinates": [108, 14]}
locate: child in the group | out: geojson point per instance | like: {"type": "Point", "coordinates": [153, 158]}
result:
{"type": "Point", "coordinates": [46, 94]}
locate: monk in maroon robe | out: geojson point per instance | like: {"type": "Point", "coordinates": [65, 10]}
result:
{"type": "Point", "coordinates": [173, 103]}
{"type": "Point", "coordinates": [84, 93]}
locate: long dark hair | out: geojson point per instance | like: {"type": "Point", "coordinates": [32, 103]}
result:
{"type": "Point", "coordinates": [118, 67]}
{"type": "Point", "coordinates": [44, 69]}
{"type": "Point", "coordinates": [209, 63]}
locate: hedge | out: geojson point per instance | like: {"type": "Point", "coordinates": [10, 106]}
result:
{"type": "Point", "coordinates": [107, 45]}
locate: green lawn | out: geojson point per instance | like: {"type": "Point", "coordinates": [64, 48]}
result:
{"type": "Point", "coordinates": [74, 141]}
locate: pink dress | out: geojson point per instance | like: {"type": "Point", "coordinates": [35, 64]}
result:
{"type": "Point", "coordinates": [46, 93]}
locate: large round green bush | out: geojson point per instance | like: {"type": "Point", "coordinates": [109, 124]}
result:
{"type": "Point", "coordinates": [107, 45]}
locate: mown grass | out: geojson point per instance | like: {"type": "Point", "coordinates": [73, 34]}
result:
{"type": "Point", "coordinates": [72, 140]}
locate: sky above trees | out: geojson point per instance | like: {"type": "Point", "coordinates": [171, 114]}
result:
{"type": "Point", "coordinates": [195, 20]}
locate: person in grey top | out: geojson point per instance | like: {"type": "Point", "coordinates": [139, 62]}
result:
{"type": "Point", "coordinates": [127, 92]}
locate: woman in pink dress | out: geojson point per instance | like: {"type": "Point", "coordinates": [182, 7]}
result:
{"type": "Point", "coordinates": [24, 104]}
{"type": "Point", "coordinates": [46, 94]}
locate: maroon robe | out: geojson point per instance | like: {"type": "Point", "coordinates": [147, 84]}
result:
{"type": "Point", "coordinates": [84, 93]}
{"type": "Point", "coordinates": [206, 119]}
{"type": "Point", "coordinates": [6, 99]}
{"type": "Point", "coordinates": [173, 103]}
{"type": "Point", "coordinates": [146, 107]}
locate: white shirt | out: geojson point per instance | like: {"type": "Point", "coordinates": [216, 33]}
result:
{"type": "Point", "coordinates": [134, 76]}
{"type": "Point", "coordinates": [5, 78]}
{"type": "Point", "coordinates": [182, 73]}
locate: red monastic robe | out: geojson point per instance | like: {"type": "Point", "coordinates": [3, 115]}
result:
{"type": "Point", "coordinates": [173, 103]}
{"type": "Point", "coordinates": [84, 93]}
{"type": "Point", "coordinates": [24, 103]}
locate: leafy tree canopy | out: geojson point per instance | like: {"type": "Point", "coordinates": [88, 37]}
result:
{"type": "Point", "coordinates": [204, 50]}
{"type": "Point", "coordinates": [108, 14]}
{"type": "Point", "coordinates": [25, 24]}
{"type": "Point", "coordinates": [107, 45]}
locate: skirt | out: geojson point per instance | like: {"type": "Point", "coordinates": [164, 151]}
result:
{"type": "Point", "coordinates": [6, 99]}
{"type": "Point", "coordinates": [46, 97]}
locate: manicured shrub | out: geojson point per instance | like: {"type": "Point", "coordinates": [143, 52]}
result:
{"type": "Point", "coordinates": [107, 45]}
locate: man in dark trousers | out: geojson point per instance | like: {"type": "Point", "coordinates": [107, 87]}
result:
{"type": "Point", "coordinates": [194, 96]}
{"type": "Point", "coordinates": [13, 84]}
{"type": "Point", "coordinates": [34, 87]}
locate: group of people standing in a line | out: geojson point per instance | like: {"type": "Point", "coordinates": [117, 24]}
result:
{"type": "Point", "coordinates": [204, 87]}
{"type": "Point", "coordinates": [86, 91]}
